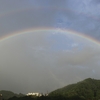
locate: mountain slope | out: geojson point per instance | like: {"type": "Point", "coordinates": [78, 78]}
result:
{"type": "Point", "coordinates": [9, 94]}
{"type": "Point", "coordinates": [87, 89]}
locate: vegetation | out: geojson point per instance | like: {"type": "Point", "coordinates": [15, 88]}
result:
{"type": "Point", "coordinates": [88, 89]}
{"type": "Point", "coordinates": [9, 94]}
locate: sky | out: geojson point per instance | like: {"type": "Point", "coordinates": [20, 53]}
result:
{"type": "Point", "coordinates": [48, 44]}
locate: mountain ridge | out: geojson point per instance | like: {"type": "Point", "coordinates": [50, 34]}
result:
{"type": "Point", "coordinates": [88, 89]}
{"type": "Point", "coordinates": [6, 94]}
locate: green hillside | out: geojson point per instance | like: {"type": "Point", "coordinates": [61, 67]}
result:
{"type": "Point", "coordinates": [86, 89]}
{"type": "Point", "coordinates": [9, 94]}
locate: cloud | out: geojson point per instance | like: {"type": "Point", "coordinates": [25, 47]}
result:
{"type": "Point", "coordinates": [81, 16]}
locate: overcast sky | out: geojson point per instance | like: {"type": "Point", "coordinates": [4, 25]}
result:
{"type": "Point", "coordinates": [47, 59]}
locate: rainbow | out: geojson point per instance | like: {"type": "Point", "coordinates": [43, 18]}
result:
{"type": "Point", "coordinates": [32, 30]}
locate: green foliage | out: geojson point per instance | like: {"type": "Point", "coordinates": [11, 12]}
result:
{"type": "Point", "coordinates": [86, 89]}
{"type": "Point", "coordinates": [9, 94]}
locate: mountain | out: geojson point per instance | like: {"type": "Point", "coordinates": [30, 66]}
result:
{"type": "Point", "coordinates": [86, 89]}
{"type": "Point", "coordinates": [9, 94]}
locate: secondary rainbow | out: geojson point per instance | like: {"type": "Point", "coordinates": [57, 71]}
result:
{"type": "Point", "coordinates": [27, 31]}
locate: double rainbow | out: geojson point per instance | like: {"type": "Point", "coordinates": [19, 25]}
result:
{"type": "Point", "coordinates": [33, 30]}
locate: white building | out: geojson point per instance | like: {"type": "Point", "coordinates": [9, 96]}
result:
{"type": "Point", "coordinates": [34, 94]}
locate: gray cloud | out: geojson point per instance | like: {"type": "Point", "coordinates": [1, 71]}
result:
{"type": "Point", "coordinates": [81, 16]}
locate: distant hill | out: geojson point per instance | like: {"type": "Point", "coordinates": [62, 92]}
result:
{"type": "Point", "coordinates": [9, 94]}
{"type": "Point", "coordinates": [86, 89]}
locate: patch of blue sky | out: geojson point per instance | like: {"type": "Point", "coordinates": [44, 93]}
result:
{"type": "Point", "coordinates": [79, 22]}
{"type": "Point", "coordinates": [62, 21]}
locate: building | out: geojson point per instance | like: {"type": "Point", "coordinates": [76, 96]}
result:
{"type": "Point", "coordinates": [33, 94]}
{"type": "Point", "coordinates": [36, 94]}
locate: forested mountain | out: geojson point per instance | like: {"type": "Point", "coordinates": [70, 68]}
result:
{"type": "Point", "coordinates": [86, 89]}
{"type": "Point", "coordinates": [8, 94]}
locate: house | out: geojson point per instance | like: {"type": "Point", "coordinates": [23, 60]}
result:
{"type": "Point", "coordinates": [33, 94]}
{"type": "Point", "coordinates": [36, 94]}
